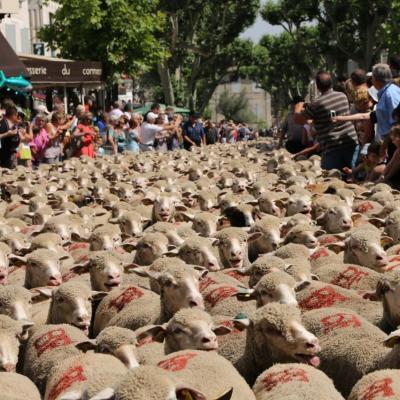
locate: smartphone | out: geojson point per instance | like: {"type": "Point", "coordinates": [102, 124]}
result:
{"type": "Point", "coordinates": [333, 114]}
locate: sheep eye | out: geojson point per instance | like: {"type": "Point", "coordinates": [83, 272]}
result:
{"type": "Point", "coordinates": [104, 350]}
{"type": "Point", "coordinates": [59, 299]}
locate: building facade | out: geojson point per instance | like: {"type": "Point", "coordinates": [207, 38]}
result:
{"type": "Point", "coordinates": [259, 101]}
{"type": "Point", "coordinates": [21, 28]}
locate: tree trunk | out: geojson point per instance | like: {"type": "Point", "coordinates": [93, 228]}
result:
{"type": "Point", "coordinates": [166, 84]}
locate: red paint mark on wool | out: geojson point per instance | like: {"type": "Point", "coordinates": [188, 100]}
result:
{"type": "Point", "coordinates": [394, 259]}
{"type": "Point", "coordinates": [349, 277]}
{"type": "Point", "coordinates": [321, 252]}
{"type": "Point", "coordinates": [288, 375]}
{"type": "Point", "coordinates": [14, 207]}
{"type": "Point", "coordinates": [73, 375]}
{"type": "Point", "coordinates": [382, 388]}
{"type": "Point", "coordinates": [329, 239]}
{"type": "Point", "coordinates": [29, 229]}
{"type": "Point", "coordinates": [78, 246]}
{"type": "Point", "coordinates": [219, 294]}
{"type": "Point", "coordinates": [391, 267]}
{"type": "Point", "coordinates": [144, 341]}
{"type": "Point", "coordinates": [324, 297]}
{"type": "Point", "coordinates": [205, 283]}
{"type": "Point", "coordinates": [340, 321]}
{"type": "Point", "coordinates": [128, 295]}
{"type": "Point", "coordinates": [364, 207]}
{"type": "Point", "coordinates": [51, 340]}
{"type": "Point", "coordinates": [229, 324]}
{"type": "Point", "coordinates": [235, 275]}
{"type": "Point", "coordinates": [176, 363]}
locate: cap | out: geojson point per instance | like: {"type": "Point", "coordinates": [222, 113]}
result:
{"type": "Point", "coordinates": [41, 108]}
{"type": "Point", "coordinates": [152, 115]}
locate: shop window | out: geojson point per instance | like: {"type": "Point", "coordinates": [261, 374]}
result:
{"type": "Point", "coordinates": [11, 36]}
{"type": "Point", "coordinates": [25, 42]}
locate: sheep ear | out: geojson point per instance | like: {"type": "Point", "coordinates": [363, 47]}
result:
{"type": "Point", "coordinates": [173, 252]}
{"type": "Point", "coordinates": [147, 201]}
{"type": "Point", "coordinates": [320, 232]}
{"type": "Point", "coordinates": [97, 296]}
{"type": "Point", "coordinates": [241, 322]}
{"type": "Point", "coordinates": [222, 330]}
{"type": "Point", "coordinates": [17, 260]}
{"type": "Point", "coordinates": [386, 241]}
{"type": "Point", "coordinates": [157, 333]}
{"type": "Point", "coordinates": [73, 395]}
{"type": "Point", "coordinates": [25, 326]}
{"type": "Point", "coordinates": [80, 268]}
{"type": "Point", "coordinates": [184, 392]}
{"type": "Point", "coordinates": [372, 296]}
{"type": "Point", "coordinates": [129, 268]}
{"type": "Point", "coordinates": [314, 277]}
{"type": "Point", "coordinates": [336, 247]}
{"type": "Point", "coordinates": [301, 285]}
{"type": "Point", "coordinates": [40, 292]}
{"type": "Point", "coordinates": [86, 345]}
{"type": "Point", "coordinates": [356, 217]}
{"type": "Point", "coordinates": [186, 216]}
{"type": "Point", "coordinates": [106, 394]}
{"type": "Point", "coordinates": [77, 238]}
{"type": "Point", "coordinates": [280, 203]}
{"type": "Point", "coordinates": [141, 271]}
{"type": "Point", "coordinates": [181, 208]}
{"type": "Point", "coordinates": [254, 236]}
{"type": "Point", "coordinates": [129, 246]}
{"type": "Point", "coordinates": [393, 339]}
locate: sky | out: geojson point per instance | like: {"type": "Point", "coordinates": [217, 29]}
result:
{"type": "Point", "coordinates": [259, 29]}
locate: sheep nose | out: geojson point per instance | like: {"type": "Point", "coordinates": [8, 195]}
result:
{"type": "Point", "coordinates": [274, 246]}
{"type": "Point", "coordinates": [114, 276]}
{"type": "Point", "coordinates": [379, 258]}
{"type": "Point", "coordinates": [237, 253]}
{"type": "Point", "coordinates": [8, 367]}
{"type": "Point", "coordinates": [313, 345]}
{"type": "Point", "coordinates": [55, 280]}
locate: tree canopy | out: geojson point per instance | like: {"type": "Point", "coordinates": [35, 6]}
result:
{"type": "Point", "coordinates": [122, 34]}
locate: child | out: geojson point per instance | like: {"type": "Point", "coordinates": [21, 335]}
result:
{"type": "Point", "coordinates": [391, 174]}
{"type": "Point", "coordinates": [24, 149]}
{"type": "Point", "coordinates": [370, 167]}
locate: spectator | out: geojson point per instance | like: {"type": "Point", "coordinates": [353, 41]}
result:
{"type": "Point", "coordinates": [193, 132]}
{"type": "Point", "coordinates": [155, 109]}
{"type": "Point", "coordinates": [291, 131]}
{"type": "Point", "coordinates": [150, 131]}
{"type": "Point", "coordinates": [102, 123]}
{"type": "Point", "coordinates": [391, 173]}
{"type": "Point", "coordinates": [26, 136]}
{"type": "Point", "coordinates": [9, 137]}
{"type": "Point", "coordinates": [119, 135]}
{"type": "Point", "coordinates": [116, 110]}
{"type": "Point", "coordinates": [211, 133]}
{"type": "Point", "coordinates": [40, 139]}
{"type": "Point", "coordinates": [85, 137]}
{"type": "Point", "coordinates": [132, 135]}
{"type": "Point", "coordinates": [389, 99]}
{"type": "Point", "coordinates": [109, 145]}
{"type": "Point", "coordinates": [55, 130]}
{"type": "Point", "coordinates": [338, 142]}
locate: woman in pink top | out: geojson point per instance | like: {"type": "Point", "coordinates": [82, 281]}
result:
{"type": "Point", "coordinates": [40, 139]}
{"type": "Point", "coordinates": [87, 134]}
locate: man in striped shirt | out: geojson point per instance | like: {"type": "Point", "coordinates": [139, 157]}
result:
{"type": "Point", "coordinates": [339, 143]}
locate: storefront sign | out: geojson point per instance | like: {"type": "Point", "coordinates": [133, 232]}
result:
{"type": "Point", "coordinates": [63, 71]}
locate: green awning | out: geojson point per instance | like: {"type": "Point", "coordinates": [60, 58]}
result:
{"type": "Point", "coordinates": [146, 108]}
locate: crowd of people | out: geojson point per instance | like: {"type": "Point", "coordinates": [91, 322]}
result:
{"type": "Point", "coordinates": [354, 124]}
{"type": "Point", "coordinates": [50, 137]}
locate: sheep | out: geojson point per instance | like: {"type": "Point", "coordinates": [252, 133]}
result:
{"type": "Point", "coordinates": [272, 202]}
{"type": "Point", "coordinates": [189, 328]}
{"type": "Point", "coordinates": [337, 219]}
{"type": "Point", "coordinates": [131, 223]}
{"type": "Point", "coordinates": [378, 384]}
{"type": "Point", "coordinates": [293, 250]}
{"type": "Point", "coordinates": [363, 247]}
{"type": "Point", "coordinates": [105, 237]}
{"type": "Point", "coordinates": [176, 233]}
{"type": "Point", "coordinates": [71, 304]}
{"type": "Point", "coordinates": [43, 268]}
{"type": "Point", "coordinates": [275, 333]}
{"type": "Point", "coordinates": [164, 208]}
{"type": "Point", "coordinates": [199, 251]}
{"type": "Point", "coordinates": [12, 333]}
{"type": "Point", "coordinates": [241, 215]}
{"type": "Point", "coordinates": [294, 381]}
{"type": "Point", "coordinates": [348, 276]}
{"type": "Point", "coordinates": [304, 234]}
{"type": "Point", "coordinates": [72, 375]}
{"type": "Point", "coordinates": [233, 248]}
{"type": "Point", "coordinates": [197, 367]}
{"type": "Point", "coordinates": [14, 386]}
{"type": "Point", "coordinates": [105, 268]}
{"type": "Point", "coordinates": [262, 266]}
{"type": "Point", "coordinates": [50, 241]}
{"type": "Point", "coordinates": [150, 247]}
{"type": "Point", "coordinates": [151, 383]}
{"type": "Point", "coordinates": [350, 343]}
{"type": "Point", "coordinates": [205, 224]}
{"type": "Point", "coordinates": [207, 200]}
{"type": "Point", "coordinates": [270, 227]}
{"type": "Point", "coordinates": [16, 302]}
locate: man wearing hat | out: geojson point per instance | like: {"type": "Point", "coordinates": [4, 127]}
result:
{"type": "Point", "coordinates": [193, 132]}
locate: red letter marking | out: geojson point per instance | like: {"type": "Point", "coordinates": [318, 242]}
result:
{"type": "Point", "coordinates": [219, 294]}
{"type": "Point", "coordinates": [286, 376]}
{"type": "Point", "coordinates": [177, 363]}
{"type": "Point", "coordinates": [381, 387]}
{"type": "Point", "coordinates": [51, 340]}
{"type": "Point", "coordinates": [340, 320]}
{"type": "Point", "coordinates": [74, 374]}
{"type": "Point", "coordinates": [324, 297]}
{"type": "Point", "coordinates": [349, 277]}
{"type": "Point", "coordinates": [130, 294]}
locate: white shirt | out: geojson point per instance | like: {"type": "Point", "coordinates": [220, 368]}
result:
{"type": "Point", "coordinates": [149, 131]}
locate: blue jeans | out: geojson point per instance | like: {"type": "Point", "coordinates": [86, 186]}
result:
{"type": "Point", "coordinates": [339, 159]}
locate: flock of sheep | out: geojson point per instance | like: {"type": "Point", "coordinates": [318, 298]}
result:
{"type": "Point", "coordinates": [228, 272]}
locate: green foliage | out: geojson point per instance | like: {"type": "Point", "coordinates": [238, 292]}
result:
{"type": "Point", "coordinates": [202, 39]}
{"type": "Point", "coordinates": [122, 34]}
{"type": "Point", "coordinates": [235, 107]}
